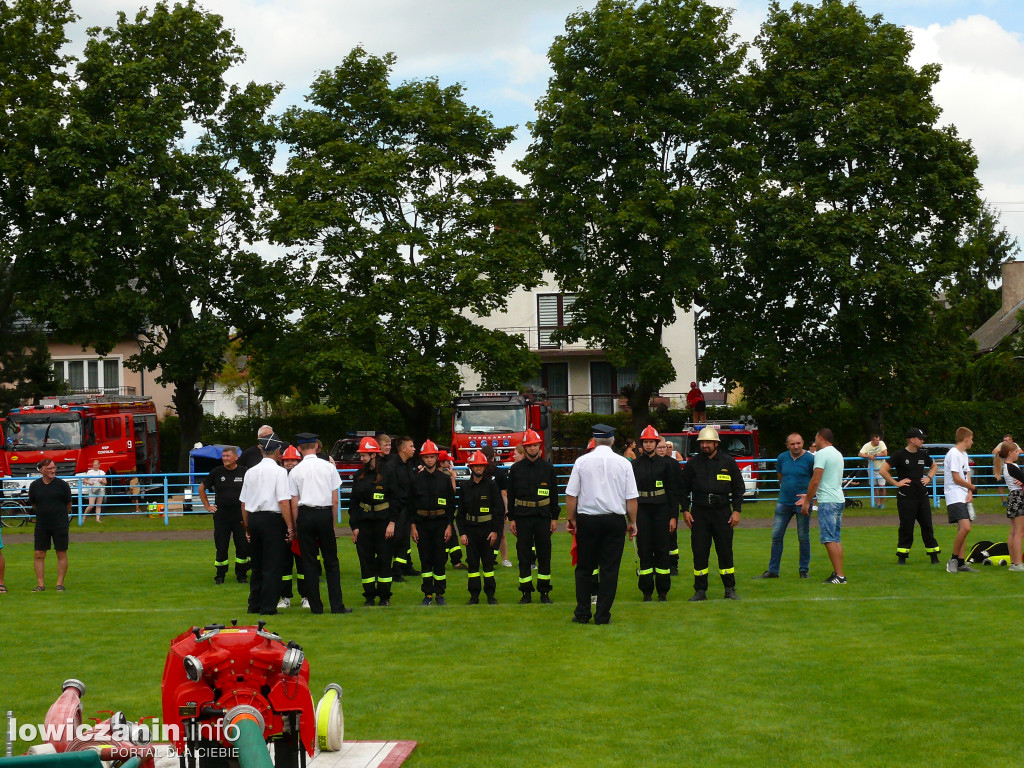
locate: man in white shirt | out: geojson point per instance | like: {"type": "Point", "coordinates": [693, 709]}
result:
{"type": "Point", "coordinates": [959, 492]}
{"type": "Point", "coordinates": [601, 506]}
{"type": "Point", "coordinates": [314, 487]}
{"type": "Point", "coordinates": [873, 450]}
{"type": "Point", "coordinates": [269, 525]}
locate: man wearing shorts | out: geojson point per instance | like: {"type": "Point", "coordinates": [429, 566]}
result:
{"type": "Point", "coordinates": [959, 492]}
{"type": "Point", "coordinates": [50, 499]}
{"type": "Point", "coordinates": [827, 484]}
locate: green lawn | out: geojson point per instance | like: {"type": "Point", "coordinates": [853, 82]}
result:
{"type": "Point", "coordinates": [903, 665]}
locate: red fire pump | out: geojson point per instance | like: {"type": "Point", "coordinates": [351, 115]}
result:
{"type": "Point", "coordinates": [231, 691]}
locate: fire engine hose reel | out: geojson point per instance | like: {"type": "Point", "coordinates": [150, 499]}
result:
{"type": "Point", "coordinates": [330, 720]}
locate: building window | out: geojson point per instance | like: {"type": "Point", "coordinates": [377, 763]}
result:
{"type": "Point", "coordinates": [554, 311]}
{"type": "Point", "coordinates": [554, 377]}
{"type": "Point", "coordinates": [90, 375]}
{"type": "Point", "coordinates": [606, 381]}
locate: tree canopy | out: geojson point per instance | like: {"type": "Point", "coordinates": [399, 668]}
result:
{"type": "Point", "coordinates": [402, 227]}
{"type": "Point", "coordinates": [851, 221]}
{"type": "Point", "coordinates": [32, 104]}
{"type": "Point", "coordinates": [631, 168]}
{"type": "Point", "coordinates": [151, 198]}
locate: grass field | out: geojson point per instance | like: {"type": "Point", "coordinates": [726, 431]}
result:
{"type": "Point", "coordinates": [904, 665]}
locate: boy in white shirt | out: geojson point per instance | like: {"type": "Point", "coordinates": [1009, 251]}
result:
{"type": "Point", "coordinates": [959, 491]}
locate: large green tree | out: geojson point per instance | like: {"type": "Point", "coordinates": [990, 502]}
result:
{"type": "Point", "coordinates": [631, 169]}
{"type": "Point", "coordinates": [32, 105]}
{"type": "Point", "coordinates": [402, 227]}
{"type": "Point", "coordinates": [152, 201]}
{"type": "Point", "coordinates": [851, 223]}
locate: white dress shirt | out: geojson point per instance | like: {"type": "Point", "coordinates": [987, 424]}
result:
{"type": "Point", "coordinates": [602, 482]}
{"type": "Point", "coordinates": [313, 481]}
{"type": "Point", "coordinates": [264, 487]}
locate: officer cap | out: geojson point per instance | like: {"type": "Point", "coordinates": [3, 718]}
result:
{"type": "Point", "coordinates": [914, 432]}
{"type": "Point", "coordinates": [305, 438]}
{"type": "Point", "coordinates": [270, 443]}
{"type": "Point", "coordinates": [602, 431]}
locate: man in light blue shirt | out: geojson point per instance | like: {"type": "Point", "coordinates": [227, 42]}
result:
{"type": "Point", "coordinates": [795, 467]}
{"type": "Point", "coordinates": [827, 484]}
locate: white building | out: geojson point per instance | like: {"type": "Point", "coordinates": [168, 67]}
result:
{"type": "Point", "coordinates": [578, 378]}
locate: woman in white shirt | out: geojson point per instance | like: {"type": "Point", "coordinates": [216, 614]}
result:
{"type": "Point", "coordinates": [1013, 476]}
{"type": "Point", "coordinates": [95, 483]}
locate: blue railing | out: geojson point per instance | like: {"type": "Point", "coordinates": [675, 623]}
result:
{"type": "Point", "coordinates": [175, 495]}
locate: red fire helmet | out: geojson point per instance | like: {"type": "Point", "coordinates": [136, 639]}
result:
{"type": "Point", "coordinates": [291, 452]}
{"type": "Point", "coordinates": [429, 448]}
{"type": "Point", "coordinates": [650, 433]}
{"type": "Point", "coordinates": [368, 445]}
{"type": "Point", "coordinates": [477, 460]}
{"type": "Point", "coordinates": [443, 456]}
{"type": "Point", "coordinates": [531, 438]}
{"type": "Point", "coordinates": [591, 445]}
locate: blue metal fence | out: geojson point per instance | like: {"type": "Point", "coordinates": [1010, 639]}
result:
{"type": "Point", "coordinates": [175, 495]}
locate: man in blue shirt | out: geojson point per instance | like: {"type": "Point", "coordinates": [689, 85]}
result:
{"type": "Point", "coordinates": [794, 467]}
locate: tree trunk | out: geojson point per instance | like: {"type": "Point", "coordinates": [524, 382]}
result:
{"type": "Point", "coordinates": [190, 417]}
{"type": "Point", "coordinates": [417, 416]}
{"type": "Point", "coordinates": [640, 402]}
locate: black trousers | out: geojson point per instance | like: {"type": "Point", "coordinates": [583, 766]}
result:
{"type": "Point", "coordinates": [431, 546]}
{"type": "Point", "coordinates": [454, 547]}
{"type": "Point", "coordinates": [599, 543]}
{"type": "Point", "coordinates": [712, 524]}
{"type": "Point", "coordinates": [653, 541]}
{"type": "Point", "coordinates": [227, 525]}
{"type": "Point", "coordinates": [480, 559]}
{"type": "Point", "coordinates": [268, 552]}
{"type": "Point", "coordinates": [915, 511]}
{"type": "Point", "coordinates": [534, 532]}
{"type": "Point", "coordinates": [401, 545]}
{"type": "Point", "coordinates": [673, 549]}
{"type": "Point", "coordinates": [315, 529]}
{"type": "Point", "coordinates": [293, 572]}
{"type": "Point", "coordinates": [375, 551]}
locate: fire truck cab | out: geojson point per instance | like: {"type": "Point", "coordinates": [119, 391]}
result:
{"type": "Point", "coordinates": [76, 430]}
{"type": "Point", "coordinates": [500, 420]}
{"type": "Point", "coordinates": [739, 440]}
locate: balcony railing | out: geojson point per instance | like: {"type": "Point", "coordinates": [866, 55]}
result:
{"type": "Point", "coordinates": [539, 338]}
{"type": "Point", "coordinates": [124, 391]}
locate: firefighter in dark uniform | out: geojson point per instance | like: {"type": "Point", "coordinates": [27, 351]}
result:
{"type": "Point", "coordinates": [373, 517]}
{"type": "Point", "coordinates": [481, 519]}
{"type": "Point", "coordinates": [434, 500]}
{"type": "Point", "coordinates": [658, 514]}
{"type": "Point", "coordinates": [712, 483]}
{"type": "Point", "coordinates": [533, 512]}
{"type": "Point", "coordinates": [914, 470]}
{"type": "Point", "coordinates": [226, 483]}
{"type": "Point", "coordinates": [400, 471]}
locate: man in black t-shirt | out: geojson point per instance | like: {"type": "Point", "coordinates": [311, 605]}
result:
{"type": "Point", "coordinates": [50, 499]}
{"type": "Point", "coordinates": [914, 470]}
{"type": "Point", "coordinates": [226, 483]}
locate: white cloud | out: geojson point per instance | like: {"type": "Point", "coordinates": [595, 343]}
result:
{"type": "Point", "coordinates": [981, 92]}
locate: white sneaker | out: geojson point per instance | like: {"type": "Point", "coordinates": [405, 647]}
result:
{"type": "Point", "coordinates": [951, 565]}
{"type": "Point", "coordinates": [305, 602]}
{"type": "Point", "coordinates": [506, 563]}
{"type": "Point", "coordinates": [283, 603]}
{"type": "Point", "coordinates": [1017, 566]}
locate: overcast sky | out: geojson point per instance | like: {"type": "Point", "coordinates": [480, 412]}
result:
{"type": "Point", "coordinates": [497, 49]}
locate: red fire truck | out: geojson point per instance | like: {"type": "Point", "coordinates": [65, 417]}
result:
{"type": "Point", "coordinates": [75, 430]}
{"type": "Point", "coordinates": [498, 419]}
{"type": "Point", "coordinates": [739, 440]}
